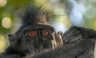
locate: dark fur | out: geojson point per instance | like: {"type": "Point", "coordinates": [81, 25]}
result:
{"type": "Point", "coordinates": [25, 45]}
{"type": "Point", "coordinates": [79, 42]}
{"type": "Point", "coordinates": [77, 33]}
{"type": "Point", "coordinates": [32, 15]}
{"type": "Point", "coordinates": [11, 38]}
{"type": "Point", "coordinates": [21, 45]}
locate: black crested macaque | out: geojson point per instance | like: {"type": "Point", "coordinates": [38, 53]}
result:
{"type": "Point", "coordinates": [78, 42]}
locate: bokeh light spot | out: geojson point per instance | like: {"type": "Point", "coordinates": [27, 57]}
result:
{"type": "Point", "coordinates": [2, 43]}
{"type": "Point", "coordinates": [6, 22]}
{"type": "Point", "coordinates": [3, 3]}
{"type": "Point", "coordinates": [59, 26]}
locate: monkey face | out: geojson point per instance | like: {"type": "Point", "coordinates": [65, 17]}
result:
{"type": "Point", "coordinates": [39, 37]}
{"type": "Point", "coordinates": [36, 38]}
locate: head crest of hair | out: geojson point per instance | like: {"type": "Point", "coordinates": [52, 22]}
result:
{"type": "Point", "coordinates": [34, 14]}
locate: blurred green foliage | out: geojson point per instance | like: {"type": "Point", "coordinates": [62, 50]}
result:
{"type": "Point", "coordinates": [7, 11]}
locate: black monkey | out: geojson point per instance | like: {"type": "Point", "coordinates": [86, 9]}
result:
{"type": "Point", "coordinates": [30, 15]}
{"type": "Point", "coordinates": [34, 15]}
{"type": "Point", "coordinates": [35, 34]}
{"type": "Point", "coordinates": [28, 41]}
{"type": "Point", "coordinates": [78, 42]}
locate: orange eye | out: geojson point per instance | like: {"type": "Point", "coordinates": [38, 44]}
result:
{"type": "Point", "coordinates": [32, 33]}
{"type": "Point", "coordinates": [45, 33]}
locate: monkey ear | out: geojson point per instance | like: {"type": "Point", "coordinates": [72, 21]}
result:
{"type": "Point", "coordinates": [11, 38]}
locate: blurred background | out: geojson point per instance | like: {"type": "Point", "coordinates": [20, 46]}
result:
{"type": "Point", "coordinates": [69, 12]}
